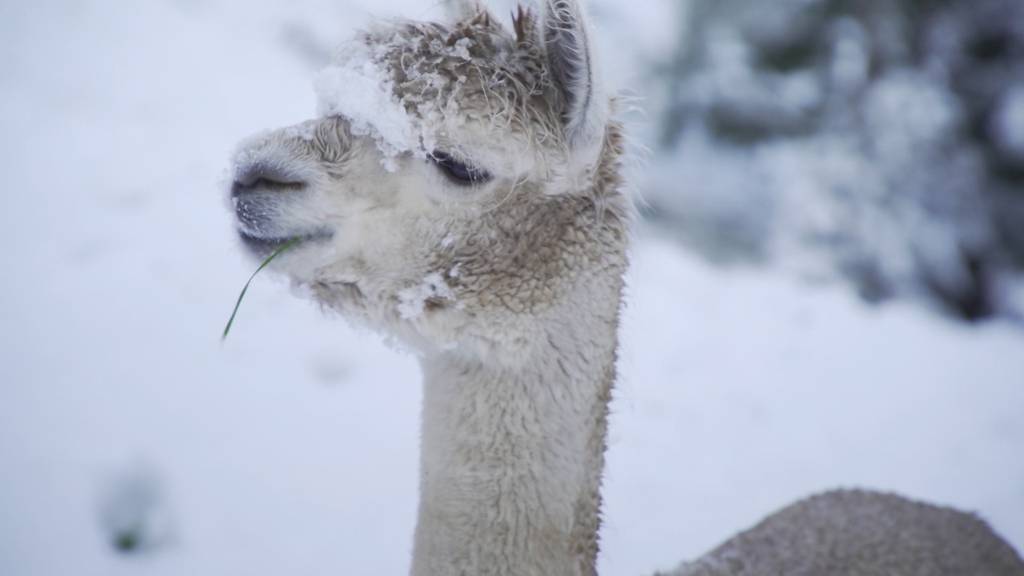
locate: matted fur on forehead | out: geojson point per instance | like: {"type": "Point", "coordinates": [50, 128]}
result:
{"type": "Point", "coordinates": [442, 80]}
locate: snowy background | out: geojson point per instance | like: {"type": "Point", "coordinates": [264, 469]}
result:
{"type": "Point", "coordinates": [833, 207]}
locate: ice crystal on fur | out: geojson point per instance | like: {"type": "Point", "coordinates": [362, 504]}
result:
{"type": "Point", "coordinates": [413, 301]}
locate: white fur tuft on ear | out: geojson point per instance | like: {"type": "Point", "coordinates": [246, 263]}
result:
{"type": "Point", "coordinates": [571, 60]}
{"type": "Point", "coordinates": [462, 9]}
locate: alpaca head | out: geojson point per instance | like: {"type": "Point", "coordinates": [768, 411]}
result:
{"type": "Point", "coordinates": [460, 179]}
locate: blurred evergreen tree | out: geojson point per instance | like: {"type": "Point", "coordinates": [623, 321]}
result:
{"type": "Point", "coordinates": [880, 139]}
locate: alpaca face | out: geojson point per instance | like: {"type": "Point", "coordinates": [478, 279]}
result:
{"type": "Point", "coordinates": [440, 194]}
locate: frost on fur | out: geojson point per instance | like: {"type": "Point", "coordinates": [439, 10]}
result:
{"type": "Point", "coordinates": [413, 301]}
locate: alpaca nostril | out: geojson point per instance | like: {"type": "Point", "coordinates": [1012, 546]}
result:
{"type": "Point", "coordinates": [263, 178]}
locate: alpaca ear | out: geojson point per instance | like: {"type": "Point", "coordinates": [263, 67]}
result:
{"type": "Point", "coordinates": [458, 10]}
{"type": "Point", "coordinates": [570, 57]}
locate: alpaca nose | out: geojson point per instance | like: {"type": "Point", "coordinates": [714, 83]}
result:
{"type": "Point", "coordinates": [264, 178]}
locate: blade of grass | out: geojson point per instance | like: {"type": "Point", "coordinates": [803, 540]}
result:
{"type": "Point", "coordinates": [281, 250]}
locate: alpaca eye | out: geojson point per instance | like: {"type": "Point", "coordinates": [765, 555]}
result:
{"type": "Point", "coordinates": [459, 172]}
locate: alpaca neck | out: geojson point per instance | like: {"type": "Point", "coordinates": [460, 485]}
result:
{"type": "Point", "coordinates": [512, 456]}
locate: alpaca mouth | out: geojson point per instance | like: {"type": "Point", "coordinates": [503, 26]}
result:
{"type": "Point", "coordinates": [262, 246]}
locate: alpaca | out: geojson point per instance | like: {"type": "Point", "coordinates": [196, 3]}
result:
{"type": "Point", "coordinates": [461, 193]}
{"type": "Point", "coordinates": [857, 533]}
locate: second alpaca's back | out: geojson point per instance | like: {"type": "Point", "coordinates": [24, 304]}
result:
{"type": "Point", "coordinates": [856, 533]}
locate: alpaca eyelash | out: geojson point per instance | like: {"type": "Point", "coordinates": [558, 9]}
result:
{"type": "Point", "coordinates": [459, 172]}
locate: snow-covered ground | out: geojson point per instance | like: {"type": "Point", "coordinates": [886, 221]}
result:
{"type": "Point", "coordinates": [292, 449]}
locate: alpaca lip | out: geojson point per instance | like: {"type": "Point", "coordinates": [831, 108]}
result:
{"type": "Point", "coordinates": [259, 217]}
{"type": "Point", "coordinates": [262, 247]}
{"type": "Point", "coordinates": [265, 178]}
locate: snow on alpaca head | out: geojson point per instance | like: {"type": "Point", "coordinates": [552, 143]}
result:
{"type": "Point", "coordinates": [458, 180]}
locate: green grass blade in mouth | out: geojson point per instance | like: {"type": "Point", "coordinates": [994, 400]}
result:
{"type": "Point", "coordinates": [281, 250]}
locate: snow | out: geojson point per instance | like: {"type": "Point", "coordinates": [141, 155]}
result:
{"type": "Point", "coordinates": [357, 87]}
{"type": "Point", "coordinates": [461, 48]}
{"type": "Point", "coordinates": [1009, 123]}
{"type": "Point", "coordinates": [905, 111]}
{"type": "Point", "coordinates": [293, 448]}
{"type": "Point", "coordinates": [412, 301]}
{"type": "Point", "coordinates": [134, 512]}
{"type": "Point", "coordinates": [760, 390]}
